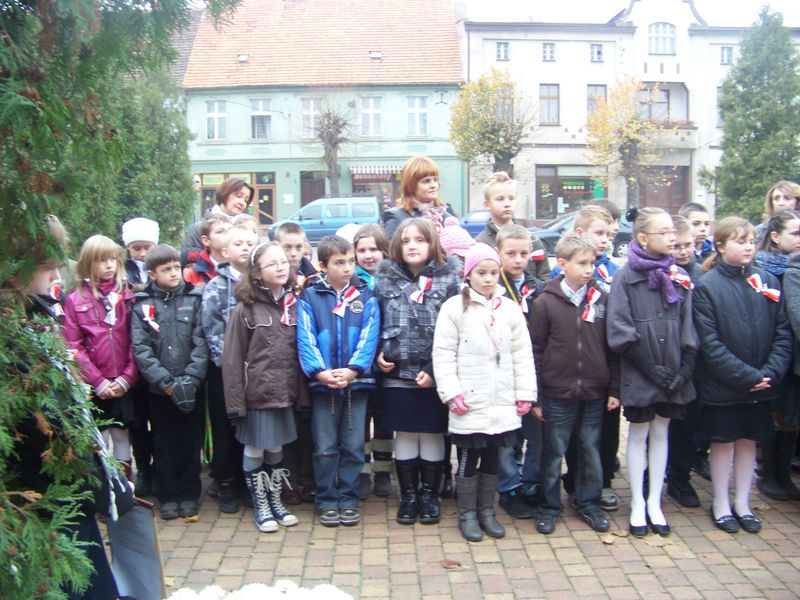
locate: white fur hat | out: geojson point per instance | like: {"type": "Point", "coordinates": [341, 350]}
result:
{"type": "Point", "coordinates": [139, 230]}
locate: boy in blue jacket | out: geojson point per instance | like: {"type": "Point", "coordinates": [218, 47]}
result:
{"type": "Point", "coordinates": [337, 334]}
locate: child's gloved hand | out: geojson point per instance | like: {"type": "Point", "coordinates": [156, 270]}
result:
{"type": "Point", "coordinates": [662, 376]}
{"type": "Point", "coordinates": [457, 405]}
{"type": "Point", "coordinates": [523, 407]}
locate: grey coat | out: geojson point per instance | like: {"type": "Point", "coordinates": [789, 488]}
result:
{"type": "Point", "coordinates": [215, 312]}
{"type": "Point", "coordinates": [636, 316]}
{"type": "Point", "coordinates": [791, 295]}
{"type": "Point", "coordinates": [178, 347]}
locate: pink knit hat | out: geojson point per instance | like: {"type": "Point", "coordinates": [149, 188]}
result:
{"type": "Point", "coordinates": [476, 254]}
{"type": "Point", "coordinates": [454, 238]}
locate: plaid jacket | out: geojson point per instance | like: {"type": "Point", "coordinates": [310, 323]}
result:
{"type": "Point", "coordinates": [407, 326]}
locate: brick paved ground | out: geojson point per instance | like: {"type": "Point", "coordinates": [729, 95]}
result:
{"type": "Point", "coordinates": [381, 559]}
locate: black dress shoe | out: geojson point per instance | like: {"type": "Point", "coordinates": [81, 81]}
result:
{"type": "Point", "coordinates": [662, 530]}
{"type": "Point", "coordinates": [638, 531]}
{"type": "Point", "coordinates": [750, 523]}
{"type": "Point", "coordinates": [726, 523]}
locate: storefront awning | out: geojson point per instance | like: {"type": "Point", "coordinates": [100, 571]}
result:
{"type": "Point", "coordinates": [375, 171]}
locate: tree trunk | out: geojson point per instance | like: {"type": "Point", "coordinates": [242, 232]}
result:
{"type": "Point", "coordinates": [503, 163]}
{"type": "Point", "coordinates": [334, 175]}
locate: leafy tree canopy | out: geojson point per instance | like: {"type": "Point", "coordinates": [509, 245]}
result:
{"type": "Point", "coordinates": [760, 109]}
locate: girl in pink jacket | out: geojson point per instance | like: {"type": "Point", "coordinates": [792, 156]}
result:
{"type": "Point", "coordinates": [97, 329]}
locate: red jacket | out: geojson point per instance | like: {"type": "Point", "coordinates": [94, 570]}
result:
{"type": "Point", "coordinates": [103, 352]}
{"type": "Point", "coordinates": [200, 270]}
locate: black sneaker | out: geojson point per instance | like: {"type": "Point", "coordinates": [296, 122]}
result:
{"type": "Point", "coordinates": [228, 500]}
{"type": "Point", "coordinates": [329, 517]}
{"type": "Point", "coordinates": [169, 511]}
{"type": "Point", "coordinates": [546, 524]}
{"type": "Point", "coordinates": [383, 484]}
{"type": "Point", "coordinates": [514, 504]}
{"type": "Point", "coordinates": [683, 493]}
{"type": "Point", "coordinates": [188, 508]}
{"type": "Point", "coordinates": [213, 489]}
{"type": "Point", "coordinates": [595, 518]}
{"type": "Point", "coordinates": [349, 516]}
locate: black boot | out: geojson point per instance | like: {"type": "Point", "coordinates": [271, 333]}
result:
{"type": "Point", "coordinates": [784, 451]}
{"type": "Point", "coordinates": [768, 483]}
{"type": "Point", "coordinates": [467, 502]}
{"type": "Point", "coordinates": [446, 490]}
{"type": "Point", "coordinates": [407, 481]}
{"type": "Point", "coordinates": [430, 510]}
{"type": "Point", "coordinates": [487, 488]}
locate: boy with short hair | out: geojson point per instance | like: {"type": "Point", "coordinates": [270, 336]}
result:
{"type": "Point", "coordinates": [593, 223]}
{"type": "Point", "coordinates": [293, 239]}
{"type": "Point", "coordinates": [337, 335]}
{"type": "Point", "coordinates": [519, 489]}
{"type": "Point", "coordinates": [615, 213]}
{"type": "Point", "coordinates": [138, 236]}
{"type": "Point", "coordinates": [500, 199]}
{"type": "Point", "coordinates": [171, 354]}
{"type": "Point", "coordinates": [578, 380]}
{"type": "Point", "coordinates": [700, 222]}
{"type": "Point", "coordinates": [219, 301]}
{"type": "Point", "coordinates": [298, 456]}
{"type": "Point", "coordinates": [202, 266]}
{"type": "Point", "coordinates": [683, 251]}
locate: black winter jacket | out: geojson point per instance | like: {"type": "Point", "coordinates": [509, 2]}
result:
{"type": "Point", "coordinates": [744, 337]}
{"type": "Point", "coordinates": [178, 346]}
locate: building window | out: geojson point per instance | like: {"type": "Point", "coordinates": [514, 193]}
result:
{"type": "Point", "coordinates": [594, 94]}
{"type": "Point", "coordinates": [215, 119]}
{"type": "Point", "coordinates": [662, 38]}
{"type": "Point", "coordinates": [548, 104]}
{"type": "Point", "coordinates": [596, 52]}
{"type": "Point", "coordinates": [371, 114]}
{"type": "Point", "coordinates": [260, 119]}
{"type": "Point", "coordinates": [312, 108]}
{"type": "Point", "coordinates": [505, 104]}
{"type": "Point", "coordinates": [654, 105]}
{"type": "Point", "coordinates": [726, 55]}
{"type": "Point", "coordinates": [502, 51]}
{"type": "Point", "coordinates": [417, 115]}
{"type": "Point", "coordinates": [548, 52]}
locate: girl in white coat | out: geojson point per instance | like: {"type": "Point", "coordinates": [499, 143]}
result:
{"type": "Point", "coordinates": [483, 364]}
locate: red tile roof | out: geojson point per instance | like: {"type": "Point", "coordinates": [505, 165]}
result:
{"type": "Point", "coordinates": [327, 42]}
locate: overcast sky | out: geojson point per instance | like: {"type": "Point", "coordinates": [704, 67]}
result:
{"type": "Point", "coordinates": [720, 13]}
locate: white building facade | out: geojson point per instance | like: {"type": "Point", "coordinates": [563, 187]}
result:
{"type": "Point", "coordinates": [562, 67]}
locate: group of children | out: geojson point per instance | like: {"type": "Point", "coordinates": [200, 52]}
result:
{"type": "Point", "coordinates": [284, 376]}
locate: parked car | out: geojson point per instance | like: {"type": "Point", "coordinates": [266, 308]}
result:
{"type": "Point", "coordinates": [325, 216]}
{"type": "Point", "coordinates": [551, 232]}
{"type": "Point", "coordinates": [475, 221]}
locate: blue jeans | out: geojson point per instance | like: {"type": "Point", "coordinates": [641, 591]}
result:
{"type": "Point", "coordinates": [510, 476]}
{"type": "Point", "coordinates": [562, 419]}
{"type": "Point", "coordinates": [338, 433]}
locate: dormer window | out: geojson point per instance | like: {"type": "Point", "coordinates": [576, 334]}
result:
{"type": "Point", "coordinates": [662, 38]}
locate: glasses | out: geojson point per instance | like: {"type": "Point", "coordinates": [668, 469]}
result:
{"type": "Point", "coordinates": [275, 265]}
{"type": "Point", "coordinates": [681, 247]}
{"type": "Point", "coordinates": [663, 233]}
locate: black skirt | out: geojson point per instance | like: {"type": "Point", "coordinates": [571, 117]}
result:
{"type": "Point", "coordinates": [645, 414]}
{"type": "Point", "coordinates": [725, 424]}
{"type": "Point", "coordinates": [119, 409]}
{"type": "Point", "coordinates": [478, 441]}
{"type": "Point", "coordinates": [415, 410]}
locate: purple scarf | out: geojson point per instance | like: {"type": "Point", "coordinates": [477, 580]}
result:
{"type": "Point", "coordinates": [657, 268]}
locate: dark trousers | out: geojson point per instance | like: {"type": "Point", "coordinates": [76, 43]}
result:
{"type": "Point", "coordinates": [140, 430]}
{"type": "Point", "coordinates": [226, 460]}
{"type": "Point", "coordinates": [682, 449]}
{"type": "Point", "coordinates": [298, 456]}
{"type": "Point", "coordinates": [609, 447]}
{"type": "Point", "coordinates": [176, 447]}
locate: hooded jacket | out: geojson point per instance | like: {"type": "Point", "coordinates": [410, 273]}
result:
{"type": "Point", "coordinates": [484, 354]}
{"type": "Point", "coordinates": [104, 352]}
{"type": "Point", "coordinates": [407, 326]}
{"type": "Point", "coordinates": [201, 270]}
{"type": "Point", "coordinates": [573, 360]}
{"type": "Point", "coordinates": [260, 366]}
{"type": "Point", "coordinates": [328, 341]}
{"type": "Point", "coordinates": [744, 336]}
{"type": "Point", "coordinates": [218, 303]}
{"type": "Point", "coordinates": [167, 337]}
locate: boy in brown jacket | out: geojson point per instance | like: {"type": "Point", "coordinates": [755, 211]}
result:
{"type": "Point", "coordinates": [578, 379]}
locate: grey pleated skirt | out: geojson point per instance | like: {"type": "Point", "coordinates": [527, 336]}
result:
{"type": "Point", "coordinates": [268, 428]}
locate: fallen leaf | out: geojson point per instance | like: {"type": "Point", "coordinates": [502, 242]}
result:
{"type": "Point", "coordinates": [169, 581]}
{"type": "Point", "coordinates": [656, 541]}
{"type": "Point", "coordinates": [608, 539]}
{"type": "Point", "coordinates": [448, 563]}
{"type": "Point", "coordinates": [192, 519]}
{"type": "Point", "coordinates": [761, 507]}
{"type": "Point", "coordinates": [620, 533]}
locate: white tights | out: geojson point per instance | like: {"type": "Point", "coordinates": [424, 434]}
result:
{"type": "Point", "coordinates": [647, 448]}
{"type": "Point", "coordinates": [740, 457]}
{"type": "Point", "coordinates": [428, 446]}
{"type": "Point", "coordinates": [122, 443]}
